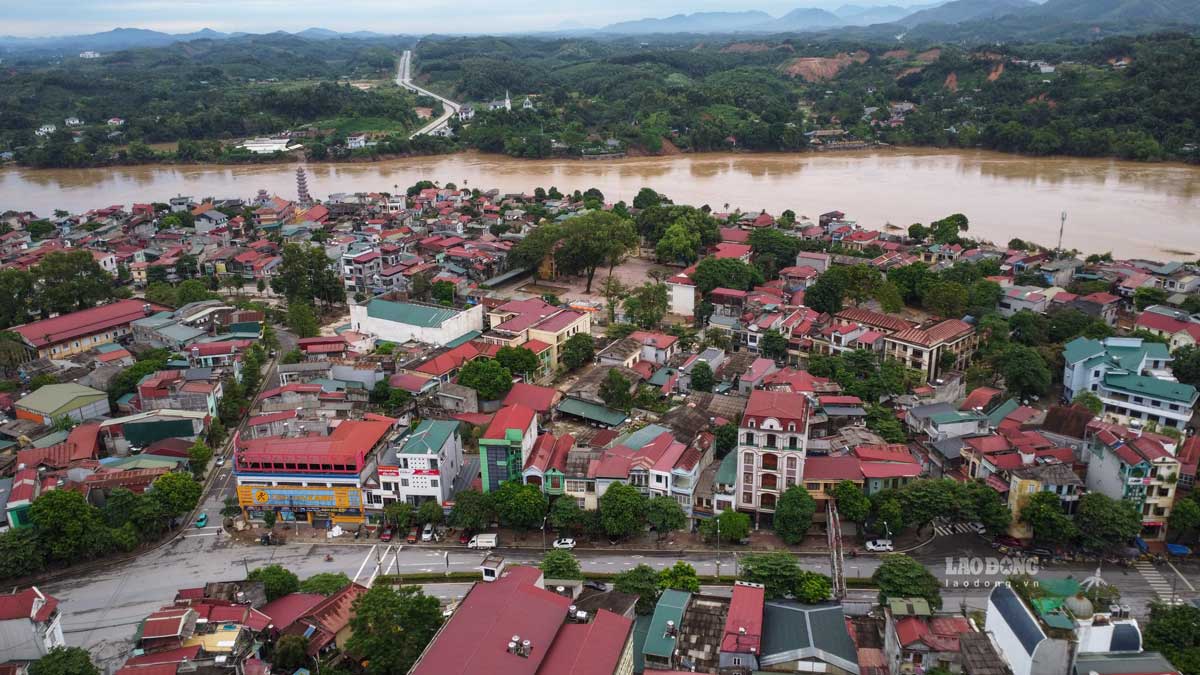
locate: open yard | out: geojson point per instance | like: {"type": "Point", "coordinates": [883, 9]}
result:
{"type": "Point", "coordinates": [358, 125]}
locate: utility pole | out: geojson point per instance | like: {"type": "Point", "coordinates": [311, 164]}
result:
{"type": "Point", "coordinates": [246, 566]}
{"type": "Point", "coordinates": [718, 548]}
{"type": "Point", "coordinates": [1062, 224]}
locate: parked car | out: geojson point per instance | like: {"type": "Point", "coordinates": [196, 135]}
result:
{"type": "Point", "coordinates": [385, 534]}
{"type": "Point", "coordinates": [1007, 541]}
{"type": "Point", "coordinates": [566, 543]}
{"type": "Point", "coordinates": [465, 536]}
{"type": "Point", "coordinates": [202, 520]}
{"type": "Point", "coordinates": [1041, 552]}
{"type": "Point", "coordinates": [427, 533]}
{"type": "Point", "coordinates": [483, 541]}
{"type": "Point", "coordinates": [413, 535]}
{"type": "Point", "coordinates": [221, 460]}
{"type": "Point", "coordinates": [977, 527]}
{"type": "Point", "coordinates": [596, 585]}
{"type": "Point", "coordinates": [880, 546]}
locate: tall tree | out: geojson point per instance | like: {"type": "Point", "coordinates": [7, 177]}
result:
{"type": "Point", "coordinates": [518, 360]}
{"type": "Point", "coordinates": [614, 390]}
{"type": "Point", "coordinates": [591, 240]}
{"type": "Point", "coordinates": [521, 507]}
{"type": "Point", "coordinates": [1043, 512]}
{"type": "Point", "coordinates": [641, 581]}
{"type": "Point", "coordinates": [277, 580]}
{"type": "Point", "coordinates": [899, 576]}
{"type": "Point", "coordinates": [794, 514]}
{"type": "Point", "coordinates": [647, 304]}
{"type": "Point", "coordinates": [71, 281]}
{"type": "Point", "coordinates": [487, 377]}
{"type": "Point", "coordinates": [558, 564]}
{"type": "Point", "coordinates": [177, 493]}
{"type": "Point", "coordinates": [64, 661]}
{"type": "Point", "coordinates": [392, 626]}
{"type": "Point", "coordinates": [680, 577]}
{"type": "Point", "coordinates": [1105, 523]}
{"type": "Point", "coordinates": [622, 510]}
{"type": "Point", "coordinates": [665, 515]}
{"type": "Point", "coordinates": [702, 377]}
{"type": "Point", "coordinates": [578, 351]}
{"type": "Point", "coordinates": [852, 504]}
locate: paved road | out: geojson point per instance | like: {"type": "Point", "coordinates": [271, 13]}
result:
{"type": "Point", "coordinates": [101, 610]}
{"type": "Point", "coordinates": [404, 79]}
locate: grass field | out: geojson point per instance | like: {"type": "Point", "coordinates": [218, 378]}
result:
{"type": "Point", "coordinates": [358, 125]}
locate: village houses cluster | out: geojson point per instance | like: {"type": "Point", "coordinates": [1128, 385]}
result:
{"type": "Point", "coordinates": [319, 448]}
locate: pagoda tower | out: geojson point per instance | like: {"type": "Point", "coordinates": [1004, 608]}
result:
{"type": "Point", "coordinates": [302, 187]}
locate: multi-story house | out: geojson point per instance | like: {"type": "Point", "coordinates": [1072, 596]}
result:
{"type": "Point", "coordinates": [1132, 378]}
{"type": "Point", "coordinates": [1176, 326]}
{"type": "Point", "coordinates": [652, 460]}
{"type": "Point", "coordinates": [420, 467]}
{"type": "Point", "coordinates": [506, 445]}
{"type": "Point", "coordinates": [30, 625]}
{"type": "Point", "coordinates": [948, 345]}
{"type": "Point", "coordinates": [546, 466]}
{"type": "Point", "coordinates": [1124, 464]}
{"type": "Point", "coordinates": [361, 270]}
{"type": "Point", "coordinates": [172, 390]}
{"type": "Point", "coordinates": [1018, 298]}
{"type": "Point", "coordinates": [772, 446]}
{"type": "Point", "coordinates": [314, 478]}
{"type": "Point", "coordinates": [1028, 480]}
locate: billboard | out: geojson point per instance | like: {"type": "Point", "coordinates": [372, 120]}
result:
{"type": "Point", "coordinates": [300, 498]}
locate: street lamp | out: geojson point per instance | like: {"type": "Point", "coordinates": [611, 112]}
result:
{"type": "Point", "coordinates": [544, 519]}
{"type": "Point", "coordinates": [718, 519]}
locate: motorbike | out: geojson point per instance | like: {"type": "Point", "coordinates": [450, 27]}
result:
{"type": "Point", "coordinates": [328, 557]}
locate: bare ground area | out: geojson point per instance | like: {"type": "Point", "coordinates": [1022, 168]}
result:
{"type": "Point", "coordinates": [632, 272]}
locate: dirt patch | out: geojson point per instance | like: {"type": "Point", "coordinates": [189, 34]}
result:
{"type": "Point", "coordinates": [1120, 59]}
{"type": "Point", "coordinates": [746, 48]}
{"type": "Point", "coordinates": [929, 56]}
{"type": "Point", "coordinates": [997, 71]}
{"type": "Point", "coordinates": [1043, 98]}
{"type": "Point", "coordinates": [898, 54]}
{"type": "Point", "coordinates": [424, 113]}
{"type": "Point", "coordinates": [989, 56]}
{"type": "Point", "coordinates": [951, 82]}
{"type": "Point", "coordinates": [820, 69]}
{"type": "Point", "coordinates": [669, 148]}
{"type": "Point", "coordinates": [908, 71]}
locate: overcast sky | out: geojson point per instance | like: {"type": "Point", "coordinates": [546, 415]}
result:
{"type": "Point", "coordinates": [66, 17]}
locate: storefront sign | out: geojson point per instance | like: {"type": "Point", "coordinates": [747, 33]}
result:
{"type": "Point", "coordinates": [300, 498]}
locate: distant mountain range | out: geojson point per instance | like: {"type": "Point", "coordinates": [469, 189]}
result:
{"type": "Point", "coordinates": [953, 12]}
{"type": "Point", "coordinates": [136, 38]}
{"type": "Point", "coordinates": [941, 19]}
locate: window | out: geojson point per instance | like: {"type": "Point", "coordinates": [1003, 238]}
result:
{"type": "Point", "coordinates": [750, 424]}
{"type": "Point", "coordinates": [749, 439]}
{"type": "Point", "coordinates": [737, 660]}
{"type": "Point", "coordinates": [812, 486]}
{"type": "Point", "coordinates": [433, 482]}
{"type": "Point", "coordinates": [403, 482]}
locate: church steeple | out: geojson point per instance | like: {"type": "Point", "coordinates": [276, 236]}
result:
{"type": "Point", "coordinates": [507, 101]}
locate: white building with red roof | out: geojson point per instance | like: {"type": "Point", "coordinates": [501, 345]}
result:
{"type": "Point", "coordinates": [67, 334]}
{"type": "Point", "coordinates": [30, 625]}
{"type": "Point", "coordinates": [772, 447]}
{"type": "Point", "coordinates": [947, 345]}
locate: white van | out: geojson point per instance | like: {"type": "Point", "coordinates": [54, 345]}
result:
{"type": "Point", "coordinates": [482, 541]}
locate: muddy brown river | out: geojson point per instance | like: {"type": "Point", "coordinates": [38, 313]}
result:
{"type": "Point", "coordinates": [1132, 209]}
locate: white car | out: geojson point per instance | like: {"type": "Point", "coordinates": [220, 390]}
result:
{"type": "Point", "coordinates": [564, 544]}
{"type": "Point", "coordinates": [221, 460]}
{"type": "Point", "coordinates": [977, 527]}
{"type": "Point", "coordinates": [880, 546]}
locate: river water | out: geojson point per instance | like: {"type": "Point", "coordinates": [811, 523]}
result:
{"type": "Point", "coordinates": [1131, 209]}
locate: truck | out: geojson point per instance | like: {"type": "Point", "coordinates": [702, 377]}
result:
{"type": "Point", "coordinates": [482, 541]}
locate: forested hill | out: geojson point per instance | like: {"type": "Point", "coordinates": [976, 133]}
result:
{"type": "Point", "coordinates": [1132, 97]}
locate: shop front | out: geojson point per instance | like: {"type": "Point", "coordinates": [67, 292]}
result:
{"type": "Point", "coordinates": [321, 507]}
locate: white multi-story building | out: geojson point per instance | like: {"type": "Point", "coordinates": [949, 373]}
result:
{"type": "Point", "coordinates": [772, 446]}
{"type": "Point", "coordinates": [421, 466]}
{"type": "Point", "coordinates": [1132, 378]}
{"type": "Point", "coordinates": [30, 625]}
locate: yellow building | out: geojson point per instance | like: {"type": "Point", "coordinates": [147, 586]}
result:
{"type": "Point", "coordinates": [1026, 481]}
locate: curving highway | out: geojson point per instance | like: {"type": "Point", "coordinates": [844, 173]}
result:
{"type": "Point", "coordinates": [404, 79]}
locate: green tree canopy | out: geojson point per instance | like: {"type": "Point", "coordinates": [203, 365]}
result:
{"type": "Point", "coordinates": [614, 390]}
{"type": "Point", "coordinates": [473, 510]}
{"type": "Point", "coordinates": [899, 576]}
{"type": "Point", "coordinates": [794, 514]}
{"type": "Point", "coordinates": [277, 580]}
{"type": "Point", "coordinates": [852, 504]}
{"type": "Point", "coordinates": [702, 377]}
{"type": "Point", "coordinates": [578, 351]}
{"type": "Point", "coordinates": [730, 525]}
{"type": "Point", "coordinates": [177, 493]}
{"type": "Point", "coordinates": [622, 510]}
{"type": "Point", "coordinates": [393, 626]}
{"type": "Point", "coordinates": [665, 515]}
{"type": "Point", "coordinates": [641, 581]}
{"type": "Point", "coordinates": [64, 661]}
{"type": "Point", "coordinates": [680, 577]}
{"type": "Point", "coordinates": [518, 360]}
{"type": "Point", "coordinates": [325, 583]}
{"type": "Point", "coordinates": [489, 378]}
{"type": "Point", "coordinates": [560, 564]}
{"type": "Point", "coordinates": [520, 506]}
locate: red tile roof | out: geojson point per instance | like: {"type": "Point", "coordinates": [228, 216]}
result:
{"type": "Point", "coordinates": [284, 611]}
{"type": "Point", "coordinates": [21, 605]}
{"type": "Point", "coordinates": [593, 648]}
{"type": "Point", "coordinates": [541, 399]}
{"type": "Point", "coordinates": [327, 618]}
{"type": "Point", "coordinates": [832, 468]}
{"type": "Point", "coordinates": [167, 622]}
{"type": "Point", "coordinates": [946, 331]}
{"type": "Point", "coordinates": [780, 405]}
{"type": "Point", "coordinates": [476, 637]}
{"type": "Point", "coordinates": [744, 621]}
{"type": "Point", "coordinates": [86, 322]}
{"type": "Point", "coordinates": [979, 398]}
{"type": "Point", "coordinates": [867, 317]}
{"type": "Point", "coordinates": [348, 444]}
{"type": "Point", "coordinates": [515, 416]}
{"type": "Point", "coordinates": [550, 452]}
{"type": "Point", "coordinates": [449, 361]}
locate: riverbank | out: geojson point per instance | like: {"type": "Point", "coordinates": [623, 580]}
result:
{"type": "Point", "coordinates": [1130, 208]}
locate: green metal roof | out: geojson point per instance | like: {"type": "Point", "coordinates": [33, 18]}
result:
{"type": "Point", "coordinates": [997, 415]}
{"type": "Point", "coordinates": [1081, 348]}
{"type": "Point", "coordinates": [662, 374]}
{"type": "Point", "coordinates": [591, 411]}
{"type": "Point", "coordinates": [727, 472]}
{"type": "Point", "coordinates": [910, 607]}
{"type": "Point", "coordinates": [640, 438]}
{"type": "Point", "coordinates": [429, 437]}
{"type": "Point", "coordinates": [51, 399]}
{"type": "Point", "coordinates": [669, 608]}
{"type": "Point", "coordinates": [1144, 385]}
{"type": "Point", "coordinates": [464, 339]}
{"type": "Point", "coordinates": [641, 628]}
{"type": "Point", "coordinates": [409, 313]}
{"type": "Point", "coordinates": [955, 417]}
